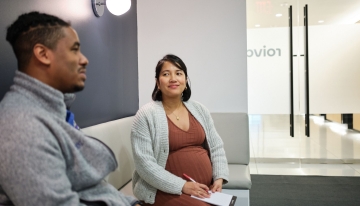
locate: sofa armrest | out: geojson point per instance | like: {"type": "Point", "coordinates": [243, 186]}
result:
{"type": "Point", "coordinates": [116, 135]}
{"type": "Point", "coordinates": [239, 177]}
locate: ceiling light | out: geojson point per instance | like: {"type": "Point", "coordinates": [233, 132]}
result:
{"type": "Point", "coordinates": [278, 15]}
{"type": "Point", "coordinates": [257, 25]}
{"type": "Point", "coordinates": [321, 21]}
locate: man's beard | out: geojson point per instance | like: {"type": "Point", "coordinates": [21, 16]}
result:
{"type": "Point", "coordinates": [78, 88]}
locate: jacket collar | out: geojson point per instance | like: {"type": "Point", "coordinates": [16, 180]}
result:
{"type": "Point", "coordinates": [39, 93]}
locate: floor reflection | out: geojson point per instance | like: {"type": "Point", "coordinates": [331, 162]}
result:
{"type": "Point", "coordinates": [331, 149]}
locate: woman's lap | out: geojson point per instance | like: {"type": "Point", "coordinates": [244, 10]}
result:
{"type": "Point", "coordinates": [176, 200]}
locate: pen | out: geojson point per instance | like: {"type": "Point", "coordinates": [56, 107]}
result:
{"type": "Point", "coordinates": [188, 177]}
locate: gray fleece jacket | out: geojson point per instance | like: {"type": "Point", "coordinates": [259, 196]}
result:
{"type": "Point", "coordinates": [44, 160]}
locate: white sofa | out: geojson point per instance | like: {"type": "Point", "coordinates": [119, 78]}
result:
{"type": "Point", "coordinates": [232, 127]}
{"type": "Point", "coordinates": [116, 135]}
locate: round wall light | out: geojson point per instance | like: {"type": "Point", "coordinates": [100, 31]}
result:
{"type": "Point", "coordinates": [116, 7]}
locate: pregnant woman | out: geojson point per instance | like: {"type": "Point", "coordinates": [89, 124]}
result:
{"type": "Point", "coordinates": [172, 136]}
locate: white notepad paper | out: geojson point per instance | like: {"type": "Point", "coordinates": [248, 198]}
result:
{"type": "Point", "coordinates": [218, 198]}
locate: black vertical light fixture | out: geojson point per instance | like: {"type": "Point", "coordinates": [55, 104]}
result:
{"type": "Point", "coordinates": [291, 75]}
{"type": "Point", "coordinates": [306, 50]}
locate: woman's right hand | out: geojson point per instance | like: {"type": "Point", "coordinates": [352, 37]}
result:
{"type": "Point", "coordinates": [196, 189]}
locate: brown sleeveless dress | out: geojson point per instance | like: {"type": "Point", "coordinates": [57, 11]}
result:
{"type": "Point", "coordinates": [186, 155]}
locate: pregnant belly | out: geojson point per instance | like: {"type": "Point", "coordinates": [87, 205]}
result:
{"type": "Point", "coordinates": [193, 161]}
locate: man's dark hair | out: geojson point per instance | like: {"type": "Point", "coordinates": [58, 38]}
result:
{"type": "Point", "coordinates": [176, 61]}
{"type": "Point", "coordinates": [34, 28]}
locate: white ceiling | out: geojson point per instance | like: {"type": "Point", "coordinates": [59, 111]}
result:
{"type": "Point", "coordinates": [262, 12]}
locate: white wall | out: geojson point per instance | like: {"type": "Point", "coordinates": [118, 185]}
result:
{"type": "Point", "coordinates": [209, 36]}
{"type": "Point", "coordinates": [334, 67]}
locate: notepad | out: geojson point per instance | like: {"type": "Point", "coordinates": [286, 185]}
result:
{"type": "Point", "coordinates": [220, 199]}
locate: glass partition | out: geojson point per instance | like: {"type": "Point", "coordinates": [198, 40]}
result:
{"type": "Point", "coordinates": [333, 62]}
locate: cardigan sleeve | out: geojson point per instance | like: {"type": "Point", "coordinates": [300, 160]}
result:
{"type": "Point", "coordinates": [216, 147]}
{"type": "Point", "coordinates": [146, 163]}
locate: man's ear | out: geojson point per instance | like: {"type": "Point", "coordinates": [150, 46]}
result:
{"type": "Point", "coordinates": [42, 54]}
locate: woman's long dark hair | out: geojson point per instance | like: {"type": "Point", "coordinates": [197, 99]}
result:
{"type": "Point", "coordinates": [176, 61]}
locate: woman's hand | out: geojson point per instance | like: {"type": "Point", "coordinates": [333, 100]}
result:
{"type": "Point", "coordinates": [196, 189]}
{"type": "Point", "coordinates": [217, 186]}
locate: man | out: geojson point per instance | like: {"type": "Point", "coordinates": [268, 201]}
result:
{"type": "Point", "coordinates": [44, 160]}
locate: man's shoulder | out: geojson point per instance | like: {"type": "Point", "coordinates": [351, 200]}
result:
{"type": "Point", "coordinates": [15, 111]}
{"type": "Point", "coordinates": [23, 124]}
{"type": "Point", "coordinates": [14, 106]}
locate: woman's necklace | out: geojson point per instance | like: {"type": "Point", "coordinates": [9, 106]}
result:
{"type": "Point", "coordinates": [177, 117]}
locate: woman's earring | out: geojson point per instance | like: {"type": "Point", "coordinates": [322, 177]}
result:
{"type": "Point", "coordinates": [185, 88]}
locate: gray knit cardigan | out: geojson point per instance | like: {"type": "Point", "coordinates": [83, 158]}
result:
{"type": "Point", "coordinates": [150, 146]}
